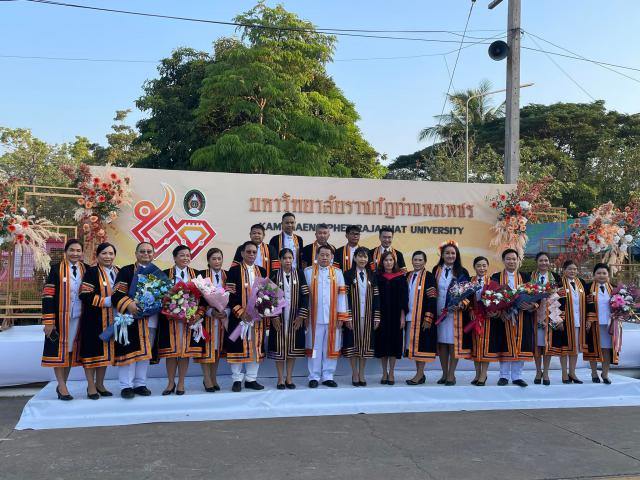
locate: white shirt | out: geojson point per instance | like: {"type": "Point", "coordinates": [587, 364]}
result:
{"type": "Point", "coordinates": [480, 281]}
{"type": "Point", "coordinates": [412, 294]}
{"type": "Point", "coordinates": [604, 310]}
{"type": "Point", "coordinates": [252, 274]}
{"type": "Point", "coordinates": [178, 272]}
{"type": "Point", "coordinates": [289, 243]}
{"type": "Point", "coordinates": [287, 293]}
{"type": "Point", "coordinates": [443, 288]}
{"type": "Point", "coordinates": [511, 279]}
{"type": "Point", "coordinates": [575, 301]}
{"type": "Point", "coordinates": [109, 271]}
{"type": "Point", "coordinates": [351, 251]}
{"type": "Point", "coordinates": [546, 278]}
{"type": "Point", "coordinates": [259, 261]}
{"type": "Point", "coordinates": [75, 283]}
{"type": "Point", "coordinates": [362, 290]}
{"type": "Point", "coordinates": [217, 281]}
{"type": "Point", "coordinates": [324, 296]}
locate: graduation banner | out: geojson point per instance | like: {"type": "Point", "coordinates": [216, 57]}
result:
{"type": "Point", "coordinates": [210, 209]}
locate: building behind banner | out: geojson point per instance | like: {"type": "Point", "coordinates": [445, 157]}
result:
{"type": "Point", "coordinates": [209, 209]}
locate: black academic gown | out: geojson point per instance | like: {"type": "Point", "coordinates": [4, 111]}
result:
{"type": "Point", "coordinates": [376, 253]}
{"type": "Point", "coordinates": [277, 242]}
{"type": "Point", "coordinates": [286, 342]}
{"type": "Point", "coordinates": [394, 299]}
{"type": "Point", "coordinates": [358, 341]}
{"type": "Point", "coordinates": [423, 342]}
{"type": "Point", "coordinates": [96, 317]}
{"type": "Point", "coordinates": [56, 310]}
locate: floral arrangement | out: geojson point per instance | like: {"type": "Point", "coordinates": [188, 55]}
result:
{"type": "Point", "coordinates": [607, 230]}
{"type": "Point", "coordinates": [150, 289]}
{"type": "Point", "coordinates": [216, 297]}
{"type": "Point", "coordinates": [18, 228]}
{"type": "Point", "coordinates": [532, 292]}
{"type": "Point", "coordinates": [266, 300]}
{"type": "Point", "coordinates": [457, 293]}
{"type": "Point", "coordinates": [497, 298]}
{"type": "Point", "coordinates": [101, 200]}
{"type": "Point", "coordinates": [624, 303]}
{"type": "Point", "coordinates": [554, 317]}
{"type": "Point", "coordinates": [515, 209]}
{"type": "Point", "coordinates": [181, 302]}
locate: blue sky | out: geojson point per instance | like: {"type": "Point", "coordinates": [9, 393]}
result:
{"type": "Point", "coordinates": [395, 98]}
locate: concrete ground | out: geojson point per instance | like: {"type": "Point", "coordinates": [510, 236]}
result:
{"type": "Point", "coordinates": [516, 444]}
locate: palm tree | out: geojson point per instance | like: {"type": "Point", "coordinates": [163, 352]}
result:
{"type": "Point", "coordinates": [452, 125]}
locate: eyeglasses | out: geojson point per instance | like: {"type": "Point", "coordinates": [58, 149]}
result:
{"type": "Point", "coordinates": [145, 251]}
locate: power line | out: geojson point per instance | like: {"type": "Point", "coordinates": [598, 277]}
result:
{"type": "Point", "coordinates": [455, 65]}
{"type": "Point", "coordinates": [564, 72]}
{"type": "Point", "coordinates": [584, 59]}
{"type": "Point", "coordinates": [581, 56]}
{"type": "Point", "coordinates": [71, 59]}
{"type": "Point", "coordinates": [323, 31]}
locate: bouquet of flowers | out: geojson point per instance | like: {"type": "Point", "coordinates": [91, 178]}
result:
{"type": "Point", "coordinates": [266, 300]}
{"type": "Point", "coordinates": [181, 302]}
{"type": "Point", "coordinates": [148, 289]}
{"type": "Point", "coordinates": [624, 303]}
{"type": "Point", "coordinates": [458, 292]}
{"type": "Point", "coordinates": [216, 297]}
{"type": "Point", "coordinates": [497, 298]}
{"type": "Point", "coordinates": [532, 292]}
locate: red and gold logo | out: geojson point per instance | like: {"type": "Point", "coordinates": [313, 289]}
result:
{"type": "Point", "coordinates": [194, 233]}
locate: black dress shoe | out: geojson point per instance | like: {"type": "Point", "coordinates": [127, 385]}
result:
{"type": "Point", "coordinates": [391, 382]}
{"type": "Point", "coordinates": [330, 383]}
{"type": "Point", "coordinates": [384, 381]}
{"type": "Point", "coordinates": [362, 384]}
{"type": "Point", "coordinates": [280, 386]}
{"type": "Point", "coordinates": [168, 391]}
{"type": "Point", "coordinates": [481, 383]}
{"type": "Point", "coordinates": [442, 381]}
{"type": "Point", "coordinates": [64, 398]}
{"type": "Point", "coordinates": [237, 387]}
{"type": "Point", "coordinates": [105, 393]}
{"type": "Point", "coordinates": [93, 396]}
{"type": "Point", "coordinates": [546, 382]}
{"type": "Point", "coordinates": [127, 393]}
{"type": "Point", "coordinates": [606, 380]}
{"type": "Point", "coordinates": [575, 380]}
{"type": "Point", "coordinates": [216, 387]}
{"type": "Point", "coordinates": [474, 382]}
{"type": "Point", "coordinates": [411, 381]}
{"type": "Point", "coordinates": [143, 391]}
{"type": "Point", "coordinates": [502, 382]}
{"type": "Point", "coordinates": [449, 383]}
{"type": "Point", "coordinates": [253, 385]}
{"type": "Point", "coordinates": [290, 386]}
{"type": "Point", "coordinates": [537, 381]}
{"type": "Point", "coordinates": [595, 379]}
{"type": "Point", "coordinates": [355, 384]}
{"type": "Point", "coordinates": [211, 389]}
{"type": "Point", "coordinates": [520, 383]}
{"type": "Point", "coordinates": [179, 392]}
{"type": "Point", "coordinates": [313, 384]}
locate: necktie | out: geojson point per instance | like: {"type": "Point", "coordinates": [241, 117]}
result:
{"type": "Point", "coordinates": [542, 280]}
{"type": "Point", "coordinates": [573, 285]}
{"type": "Point", "coordinates": [74, 269]}
{"type": "Point", "coordinates": [112, 275]}
{"type": "Point", "coordinates": [362, 276]}
{"type": "Point", "coordinates": [602, 288]}
{"type": "Point", "coordinates": [288, 278]}
{"type": "Point", "coordinates": [182, 274]}
{"type": "Point", "coordinates": [446, 272]}
{"type": "Point", "coordinates": [413, 278]}
{"type": "Point", "coordinates": [217, 278]}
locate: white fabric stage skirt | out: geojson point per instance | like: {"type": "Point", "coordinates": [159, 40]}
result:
{"type": "Point", "coordinates": [21, 351]}
{"type": "Point", "coordinates": [45, 411]}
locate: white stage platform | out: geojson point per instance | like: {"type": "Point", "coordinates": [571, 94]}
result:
{"type": "Point", "coordinates": [21, 350]}
{"type": "Point", "coordinates": [45, 411]}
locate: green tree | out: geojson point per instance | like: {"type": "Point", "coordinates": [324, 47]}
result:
{"type": "Point", "coordinates": [124, 146]}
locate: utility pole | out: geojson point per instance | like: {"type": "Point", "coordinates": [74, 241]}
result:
{"type": "Point", "coordinates": [512, 114]}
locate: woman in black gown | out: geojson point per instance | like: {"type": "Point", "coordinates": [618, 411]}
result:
{"type": "Point", "coordinates": [394, 297]}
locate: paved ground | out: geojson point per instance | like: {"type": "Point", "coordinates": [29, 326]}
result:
{"type": "Point", "coordinates": [527, 444]}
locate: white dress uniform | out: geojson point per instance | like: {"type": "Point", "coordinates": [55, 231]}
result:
{"type": "Point", "coordinates": [540, 340]}
{"type": "Point", "coordinates": [75, 280]}
{"type": "Point", "coordinates": [445, 328]}
{"type": "Point", "coordinates": [577, 314]}
{"type": "Point", "coordinates": [604, 317]}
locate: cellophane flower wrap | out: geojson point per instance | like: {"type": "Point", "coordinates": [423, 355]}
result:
{"type": "Point", "coordinates": [181, 302]}
{"type": "Point", "coordinates": [549, 312]}
{"type": "Point", "coordinates": [457, 293]}
{"type": "Point", "coordinates": [215, 296]}
{"type": "Point", "coordinates": [497, 298]}
{"type": "Point", "coordinates": [266, 300]}
{"type": "Point", "coordinates": [148, 288]}
{"type": "Point", "coordinates": [624, 303]}
{"type": "Point", "coordinates": [532, 292]}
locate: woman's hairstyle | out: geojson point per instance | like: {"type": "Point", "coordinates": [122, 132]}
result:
{"type": "Point", "coordinates": [212, 251]}
{"type": "Point", "coordinates": [568, 263]}
{"type": "Point", "coordinates": [457, 268]}
{"type": "Point", "coordinates": [381, 263]}
{"type": "Point", "coordinates": [103, 246]}
{"type": "Point", "coordinates": [283, 252]}
{"type": "Point", "coordinates": [598, 266]}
